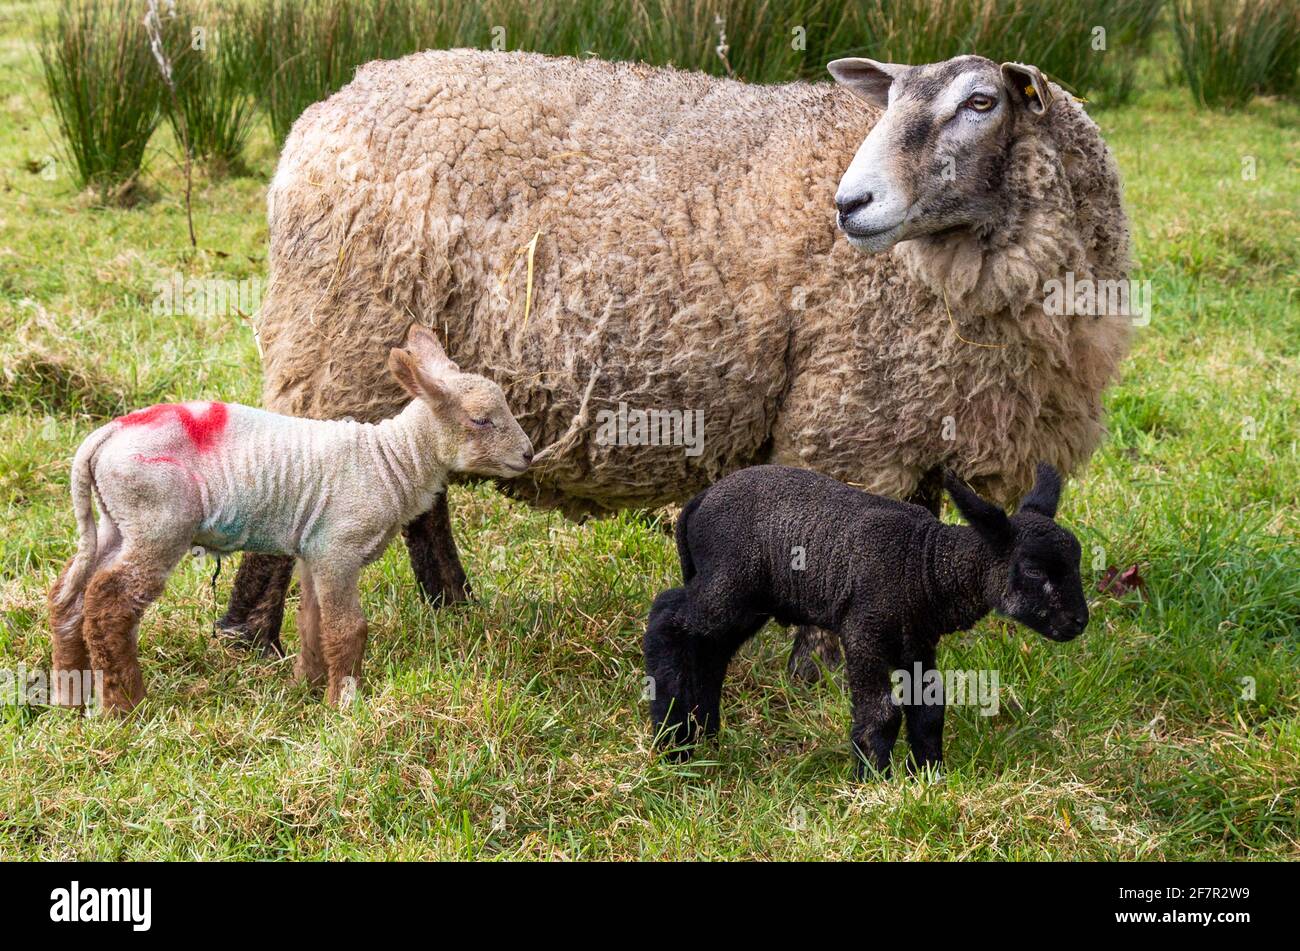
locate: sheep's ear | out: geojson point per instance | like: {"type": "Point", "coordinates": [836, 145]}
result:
{"type": "Point", "coordinates": [985, 517]}
{"type": "Point", "coordinates": [411, 373]}
{"type": "Point", "coordinates": [1027, 87]}
{"type": "Point", "coordinates": [422, 342]}
{"type": "Point", "coordinates": [866, 78]}
{"type": "Point", "coordinates": [1046, 493]}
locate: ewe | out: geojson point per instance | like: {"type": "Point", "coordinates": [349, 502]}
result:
{"type": "Point", "coordinates": [591, 233]}
{"type": "Point", "coordinates": [231, 478]}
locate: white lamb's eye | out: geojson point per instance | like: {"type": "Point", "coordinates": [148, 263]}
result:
{"type": "Point", "coordinates": [980, 102]}
{"type": "Point", "coordinates": [483, 423]}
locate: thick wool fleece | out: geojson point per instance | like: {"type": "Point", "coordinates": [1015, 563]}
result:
{"type": "Point", "coordinates": [684, 256]}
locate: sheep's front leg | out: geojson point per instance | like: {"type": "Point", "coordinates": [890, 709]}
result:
{"type": "Point", "coordinates": [434, 559]}
{"type": "Point", "coordinates": [810, 644]}
{"type": "Point", "coordinates": [342, 629]}
{"type": "Point", "coordinates": [876, 715]}
{"type": "Point", "coordinates": [690, 639]}
{"type": "Point", "coordinates": [256, 607]}
{"type": "Point", "coordinates": [924, 713]}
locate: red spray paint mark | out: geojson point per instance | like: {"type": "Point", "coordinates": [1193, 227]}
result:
{"type": "Point", "coordinates": [203, 431]}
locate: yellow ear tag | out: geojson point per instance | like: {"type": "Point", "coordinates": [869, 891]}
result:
{"type": "Point", "coordinates": [1031, 91]}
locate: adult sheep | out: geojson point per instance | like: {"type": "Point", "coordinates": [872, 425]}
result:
{"type": "Point", "coordinates": [590, 233]}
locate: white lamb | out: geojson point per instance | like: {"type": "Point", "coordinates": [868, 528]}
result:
{"type": "Point", "coordinates": [233, 478]}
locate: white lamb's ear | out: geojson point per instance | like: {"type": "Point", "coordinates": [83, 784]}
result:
{"type": "Point", "coordinates": [866, 78]}
{"type": "Point", "coordinates": [1027, 87]}
{"type": "Point", "coordinates": [410, 372]}
{"type": "Point", "coordinates": [422, 342]}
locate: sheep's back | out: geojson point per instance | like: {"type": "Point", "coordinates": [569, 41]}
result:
{"type": "Point", "coordinates": [667, 216]}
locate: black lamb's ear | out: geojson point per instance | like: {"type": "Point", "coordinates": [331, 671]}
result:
{"type": "Point", "coordinates": [1046, 493]}
{"type": "Point", "coordinates": [985, 517]}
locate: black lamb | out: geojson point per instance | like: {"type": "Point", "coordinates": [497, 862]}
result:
{"type": "Point", "coordinates": [887, 576]}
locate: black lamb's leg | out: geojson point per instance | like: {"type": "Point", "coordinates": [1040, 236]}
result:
{"type": "Point", "coordinates": [924, 714]}
{"type": "Point", "coordinates": [876, 715]}
{"type": "Point", "coordinates": [256, 606]}
{"type": "Point", "coordinates": [434, 560]}
{"type": "Point", "coordinates": [712, 655]}
{"type": "Point", "coordinates": [669, 665]}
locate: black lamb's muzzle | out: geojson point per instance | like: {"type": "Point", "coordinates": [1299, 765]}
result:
{"type": "Point", "coordinates": [1069, 625]}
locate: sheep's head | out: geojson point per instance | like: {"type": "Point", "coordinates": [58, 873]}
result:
{"type": "Point", "coordinates": [480, 434]}
{"type": "Point", "coordinates": [936, 160]}
{"type": "Point", "coordinates": [1036, 578]}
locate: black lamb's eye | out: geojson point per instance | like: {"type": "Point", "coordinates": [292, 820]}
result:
{"type": "Point", "coordinates": [1032, 573]}
{"type": "Point", "coordinates": [980, 102]}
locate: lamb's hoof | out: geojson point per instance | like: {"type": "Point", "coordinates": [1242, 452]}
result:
{"type": "Point", "coordinates": [864, 772]}
{"type": "Point", "coordinates": [674, 740]}
{"type": "Point", "coordinates": [931, 774]}
{"type": "Point", "coordinates": [814, 649]}
{"type": "Point", "coordinates": [250, 638]}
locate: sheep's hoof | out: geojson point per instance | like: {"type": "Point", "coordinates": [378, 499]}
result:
{"type": "Point", "coordinates": [251, 638]}
{"type": "Point", "coordinates": [814, 649]}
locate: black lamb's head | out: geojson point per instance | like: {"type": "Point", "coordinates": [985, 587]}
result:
{"type": "Point", "coordinates": [1043, 589]}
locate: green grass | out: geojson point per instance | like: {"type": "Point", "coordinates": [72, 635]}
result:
{"type": "Point", "coordinates": [512, 727]}
{"type": "Point", "coordinates": [211, 105]}
{"type": "Point", "coordinates": [1230, 50]}
{"type": "Point", "coordinates": [105, 90]}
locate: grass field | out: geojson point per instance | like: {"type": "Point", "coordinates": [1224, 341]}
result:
{"type": "Point", "coordinates": [512, 727]}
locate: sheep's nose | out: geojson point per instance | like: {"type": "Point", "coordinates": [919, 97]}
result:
{"type": "Point", "coordinates": [848, 206]}
{"type": "Point", "coordinates": [528, 455]}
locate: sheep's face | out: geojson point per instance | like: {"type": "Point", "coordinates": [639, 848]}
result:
{"type": "Point", "coordinates": [1037, 581]}
{"type": "Point", "coordinates": [479, 433]}
{"type": "Point", "coordinates": [935, 160]}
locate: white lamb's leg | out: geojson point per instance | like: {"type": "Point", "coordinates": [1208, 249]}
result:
{"type": "Point", "coordinates": [342, 628]}
{"type": "Point", "coordinates": [68, 640]}
{"type": "Point", "coordinates": [116, 598]}
{"type": "Point", "coordinates": [70, 665]}
{"type": "Point", "coordinates": [310, 665]}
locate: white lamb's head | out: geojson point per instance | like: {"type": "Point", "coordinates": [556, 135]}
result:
{"type": "Point", "coordinates": [479, 433]}
{"type": "Point", "coordinates": [937, 159]}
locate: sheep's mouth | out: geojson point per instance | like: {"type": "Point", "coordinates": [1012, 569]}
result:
{"type": "Point", "coordinates": [876, 239]}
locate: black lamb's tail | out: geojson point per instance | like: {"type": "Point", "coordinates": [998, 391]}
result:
{"type": "Point", "coordinates": [684, 549]}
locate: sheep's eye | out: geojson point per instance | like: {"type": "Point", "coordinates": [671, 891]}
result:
{"type": "Point", "coordinates": [483, 423]}
{"type": "Point", "coordinates": [1033, 574]}
{"type": "Point", "coordinates": [980, 102]}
